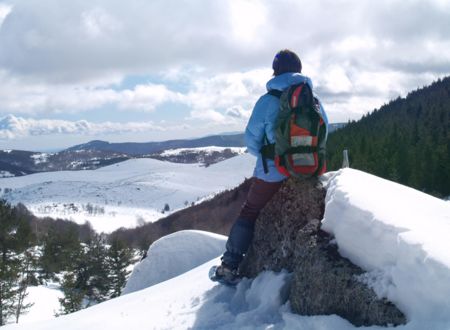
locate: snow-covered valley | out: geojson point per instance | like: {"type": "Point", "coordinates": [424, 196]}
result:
{"type": "Point", "coordinates": [125, 194]}
{"type": "Point", "coordinates": [398, 235]}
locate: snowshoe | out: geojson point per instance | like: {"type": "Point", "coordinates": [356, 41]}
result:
{"type": "Point", "coordinates": [224, 275]}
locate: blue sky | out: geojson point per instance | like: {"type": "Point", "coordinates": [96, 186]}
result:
{"type": "Point", "coordinates": [163, 69]}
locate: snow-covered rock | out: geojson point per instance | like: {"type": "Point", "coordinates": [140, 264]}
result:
{"type": "Point", "coordinates": [288, 236]}
{"type": "Point", "coordinates": [401, 236]}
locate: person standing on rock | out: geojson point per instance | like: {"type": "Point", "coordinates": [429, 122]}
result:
{"type": "Point", "coordinates": [267, 180]}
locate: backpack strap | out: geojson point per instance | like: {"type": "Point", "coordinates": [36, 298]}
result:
{"type": "Point", "coordinates": [275, 93]}
{"type": "Point", "coordinates": [268, 149]}
{"type": "Point", "coordinates": [267, 152]}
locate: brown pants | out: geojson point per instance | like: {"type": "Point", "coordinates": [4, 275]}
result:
{"type": "Point", "coordinates": [260, 193]}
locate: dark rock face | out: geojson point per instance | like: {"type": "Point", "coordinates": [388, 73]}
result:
{"type": "Point", "coordinates": [288, 235]}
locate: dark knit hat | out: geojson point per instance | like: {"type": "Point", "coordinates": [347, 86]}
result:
{"type": "Point", "coordinates": [286, 61]}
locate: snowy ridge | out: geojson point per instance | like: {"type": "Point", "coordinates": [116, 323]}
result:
{"type": "Point", "coordinates": [398, 234]}
{"type": "Point", "coordinates": [208, 150]}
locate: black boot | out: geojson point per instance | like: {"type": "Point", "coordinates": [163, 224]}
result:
{"type": "Point", "coordinates": [224, 274]}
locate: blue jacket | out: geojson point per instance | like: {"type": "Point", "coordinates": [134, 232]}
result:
{"type": "Point", "coordinates": [263, 120]}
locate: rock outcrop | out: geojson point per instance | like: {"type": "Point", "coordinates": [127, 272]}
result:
{"type": "Point", "coordinates": [288, 236]}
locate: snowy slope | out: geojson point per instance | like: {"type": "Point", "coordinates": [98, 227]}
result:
{"type": "Point", "coordinates": [124, 194]}
{"type": "Point", "coordinates": [399, 235]}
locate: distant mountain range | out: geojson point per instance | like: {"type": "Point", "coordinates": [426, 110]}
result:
{"type": "Point", "coordinates": [96, 154]}
{"type": "Point", "coordinates": [146, 148]}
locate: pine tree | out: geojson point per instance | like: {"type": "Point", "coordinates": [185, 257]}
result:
{"type": "Point", "coordinates": [73, 296]}
{"type": "Point", "coordinates": [60, 248]}
{"type": "Point", "coordinates": [120, 257]}
{"type": "Point", "coordinates": [98, 284]}
{"type": "Point", "coordinates": [87, 276]}
{"type": "Point", "coordinates": [15, 237]}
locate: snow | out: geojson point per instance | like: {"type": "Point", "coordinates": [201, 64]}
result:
{"type": "Point", "coordinates": [207, 150]}
{"type": "Point", "coordinates": [173, 255]}
{"type": "Point", "coordinates": [46, 303]}
{"type": "Point", "coordinates": [40, 158]}
{"type": "Point", "coordinates": [127, 193]}
{"type": "Point", "coordinates": [398, 235]}
{"type": "Point", "coordinates": [6, 174]}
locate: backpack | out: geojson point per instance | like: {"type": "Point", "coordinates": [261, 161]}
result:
{"type": "Point", "coordinates": [300, 134]}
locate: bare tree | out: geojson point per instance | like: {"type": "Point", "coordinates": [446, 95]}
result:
{"type": "Point", "coordinates": [26, 274]}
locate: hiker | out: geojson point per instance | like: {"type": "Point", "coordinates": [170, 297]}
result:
{"type": "Point", "coordinates": [267, 179]}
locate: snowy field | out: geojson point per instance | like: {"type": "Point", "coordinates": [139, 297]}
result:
{"type": "Point", "coordinates": [397, 234]}
{"type": "Point", "coordinates": [124, 194]}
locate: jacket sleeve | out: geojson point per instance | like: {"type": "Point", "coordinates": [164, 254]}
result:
{"type": "Point", "coordinates": [254, 132]}
{"type": "Point", "coordinates": [261, 122]}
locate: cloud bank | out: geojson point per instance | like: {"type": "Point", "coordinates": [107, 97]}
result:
{"type": "Point", "coordinates": [12, 127]}
{"type": "Point", "coordinates": [79, 40]}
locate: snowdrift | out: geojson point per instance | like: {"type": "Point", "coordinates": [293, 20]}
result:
{"type": "Point", "coordinates": [399, 235]}
{"type": "Point", "coordinates": [174, 255]}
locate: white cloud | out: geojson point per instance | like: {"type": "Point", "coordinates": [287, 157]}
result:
{"type": "Point", "coordinates": [12, 127]}
{"type": "Point", "coordinates": [21, 96]}
{"type": "Point", "coordinates": [208, 115]}
{"type": "Point", "coordinates": [98, 23]}
{"type": "Point", "coordinates": [247, 19]}
{"type": "Point", "coordinates": [238, 90]}
{"type": "Point", "coordinates": [336, 80]}
{"type": "Point", "coordinates": [217, 93]}
{"type": "Point", "coordinates": [78, 40]}
{"type": "Point", "coordinates": [147, 97]}
{"type": "Point", "coordinates": [4, 11]}
{"type": "Point", "coordinates": [354, 43]}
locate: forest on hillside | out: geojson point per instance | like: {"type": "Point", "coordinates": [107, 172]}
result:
{"type": "Point", "coordinates": [406, 140]}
